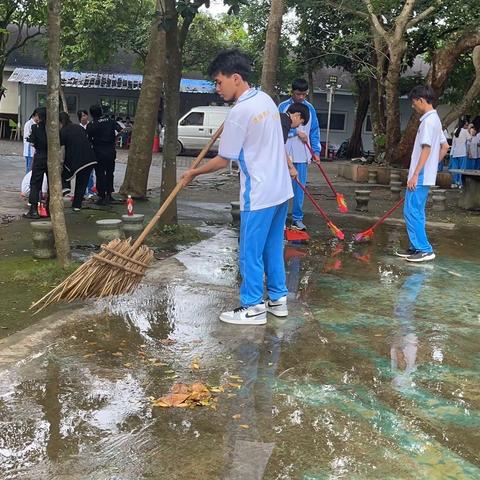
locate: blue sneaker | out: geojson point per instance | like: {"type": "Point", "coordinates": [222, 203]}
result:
{"type": "Point", "coordinates": [298, 225]}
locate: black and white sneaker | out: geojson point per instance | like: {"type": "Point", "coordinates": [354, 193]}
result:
{"type": "Point", "coordinates": [254, 315]}
{"type": "Point", "coordinates": [421, 257]}
{"type": "Point", "coordinates": [405, 253]}
{"type": "Point", "coordinates": [278, 307]}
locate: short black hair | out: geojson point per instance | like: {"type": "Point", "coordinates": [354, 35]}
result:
{"type": "Point", "coordinates": [64, 118]}
{"type": "Point", "coordinates": [80, 113]}
{"type": "Point", "coordinates": [96, 111]}
{"type": "Point", "coordinates": [300, 84]}
{"type": "Point", "coordinates": [42, 113]}
{"type": "Point", "coordinates": [35, 112]}
{"type": "Point", "coordinates": [300, 108]}
{"type": "Point", "coordinates": [423, 91]}
{"type": "Point", "coordinates": [229, 62]}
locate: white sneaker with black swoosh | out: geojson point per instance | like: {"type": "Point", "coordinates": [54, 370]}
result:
{"type": "Point", "coordinates": [277, 307]}
{"type": "Point", "coordinates": [254, 315]}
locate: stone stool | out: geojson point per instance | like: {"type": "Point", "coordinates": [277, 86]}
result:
{"type": "Point", "coordinates": [362, 197]}
{"type": "Point", "coordinates": [235, 211]}
{"type": "Point", "coordinates": [439, 199]}
{"type": "Point", "coordinates": [43, 240]}
{"type": "Point", "coordinates": [430, 194]}
{"type": "Point", "coordinates": [372, 176]}
{"type": "Point", "coordinates": [109, 229]}
{"type": "Point", "coordinates": [132, 224]}
{"type": "Point", "coordinates": [394, 176]}
{"type": "Point", "coordinates": [395, 189]}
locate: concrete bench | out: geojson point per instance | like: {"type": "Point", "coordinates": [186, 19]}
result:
{"type": "Point", "coordinates": [470, 200]}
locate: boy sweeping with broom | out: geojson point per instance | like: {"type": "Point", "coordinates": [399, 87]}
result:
{"type": "Point", "coordinates": [429, 149]}
{"type": "Point", "coordinates": [252, 136]}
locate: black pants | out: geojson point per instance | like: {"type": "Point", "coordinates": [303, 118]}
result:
{"type": "Point", "coordinates": [39, 168]}
{"type": "Point", "coordinates": [81, 182]}
{"type": "Point", "coordinates": [104, 171]}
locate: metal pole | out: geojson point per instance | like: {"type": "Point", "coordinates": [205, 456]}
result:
{"type": "Point", "coordinates": [329, 100]}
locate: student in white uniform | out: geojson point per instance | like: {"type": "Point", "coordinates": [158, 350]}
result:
{"type": "Point", "coordinates": [458, 157]}
{"type": "Point", "coordinates": [429, 149]}
{"type": "Point", "coordinates": [252, 136]}
{"type": "Point", "coordinates": [472, 149]}
{"type": "Point", "coordinates": [28, 150]}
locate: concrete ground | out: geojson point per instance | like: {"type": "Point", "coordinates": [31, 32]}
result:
{"type": "Point", "coordinates": [373, 375]}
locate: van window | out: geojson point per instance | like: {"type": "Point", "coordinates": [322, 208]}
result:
{"type": "Point", "coordinates": [195, 118]}
{"type": "Point", "coordinates": [216, 119]}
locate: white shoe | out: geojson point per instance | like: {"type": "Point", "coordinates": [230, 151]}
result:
{"type": "Point", "coordinates": [278, 307]}
{"type": "Point", "coordinates": [254, 315]}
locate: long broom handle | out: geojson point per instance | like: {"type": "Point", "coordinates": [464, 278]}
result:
{"type": "Point", "coordinates": [315, 204]}
{"type": "Point", "coordinates": [383, 218]}
{"type": "Point", "coordinates": [324, 173]}
{"type": "Point", "coordinates": [175, 191]}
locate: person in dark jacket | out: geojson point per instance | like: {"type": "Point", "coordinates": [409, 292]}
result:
{"type": "Point", "coordinates": [38, 138]}
{"type": "Point", "coordinates": [79, 157]}
{"type": "Point", "coordinates": [102, 132]}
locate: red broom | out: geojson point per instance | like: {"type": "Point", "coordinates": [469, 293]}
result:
{"type": "Point", "coordinates": [333, 228]}
{"type": "Point", "coordinates": [342, 204]}
{"type": "Point", "coordinates": [367, 235]}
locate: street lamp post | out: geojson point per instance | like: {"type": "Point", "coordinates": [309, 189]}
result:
{"type": "Point", "coordinates": [331, 85]}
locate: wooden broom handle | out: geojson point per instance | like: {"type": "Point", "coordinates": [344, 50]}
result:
{"type": "Point", "coordinates": [176, 190]}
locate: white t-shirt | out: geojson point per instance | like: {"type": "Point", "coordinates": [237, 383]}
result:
{"type": "Point", "coordinates": [473, 146]}
{"type": "Point", "coordinates": [429, 133]}
{"type": "Point", "coordinates": [28, 150]}
{"type": "Point", "coordinates": [25, 186]}
{"type": "Point", "coordinates": [459, 144]}
{"type": "Point", "coordinates": [252, 135]}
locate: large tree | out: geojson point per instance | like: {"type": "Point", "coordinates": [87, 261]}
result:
{"type": "Point", "coordinates": [20, 21]}
{"type": "Point", "coordinates": [270, 52]}
{"type": "Point", "coordinates": [62, 244]}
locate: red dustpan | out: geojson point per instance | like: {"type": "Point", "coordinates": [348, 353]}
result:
{"type": "Point", "coordinates": [293, 235]}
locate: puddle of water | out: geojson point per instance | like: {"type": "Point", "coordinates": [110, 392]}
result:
{"type": "Point", "coordinates": [373, 375]}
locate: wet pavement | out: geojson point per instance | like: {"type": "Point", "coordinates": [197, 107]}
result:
{"type": "Point", "coordinates": [374, 374]}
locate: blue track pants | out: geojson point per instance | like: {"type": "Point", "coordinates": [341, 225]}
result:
{"type": "Point", "coordinates": [414, 214]}
{"type": "Point", "coordinates": [297, 208]}
{"type": "Point", "coordinates": [261, 252]}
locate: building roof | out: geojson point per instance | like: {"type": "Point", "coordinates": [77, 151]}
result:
{"type": "Point", "coordinates": [114, 81]}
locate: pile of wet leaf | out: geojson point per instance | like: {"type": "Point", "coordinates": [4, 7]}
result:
{"type": "Point", "coordinates": [183, 395]}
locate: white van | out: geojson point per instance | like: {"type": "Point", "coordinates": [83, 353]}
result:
{"type": "Point", "coordinates": [197, 126]}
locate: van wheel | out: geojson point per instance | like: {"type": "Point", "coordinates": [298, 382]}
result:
{"type": "Point", "coordinates": [179, 148]}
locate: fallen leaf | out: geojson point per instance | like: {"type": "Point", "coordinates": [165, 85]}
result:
{"type": "Point", "coordinates": [237, 416]}
{"type": "Point", "coordinates": [117, 354]}
{"type": "Point", "coordinates": [235, 385]}
{"type": "Point", "coordinates": [181, 388]}
{"type": "Point", "coordinates": [217, 389]}
{"type": "Point", "coordinates": [127, 365]}
{"type": "Point", "coordinates": [195, 365]}
{"type": "Point", "coordinates": [245, 426]}
{"type": "Point", "coordinates": [167, 341]}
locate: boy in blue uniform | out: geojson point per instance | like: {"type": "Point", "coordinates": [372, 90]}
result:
{"type": "Point", "coordinates": [252, 136]}
{"type": "Point", "coordinates": [429, 149]}
{"type": "Point", "coordinates": [297, 148]}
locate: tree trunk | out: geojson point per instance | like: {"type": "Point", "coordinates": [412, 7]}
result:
{"type": "Point", "coordinates": [397, 51]}
{"type": "Point", "coordinates": [62, 244]}
{"type": "Point", "coordinates": [270, 53]}
{"type": "Point", "coordinates": [173, 66]}
{"type": "Point", "coordinates": [443, 62]}
{"type": "Point", "coordinates": [355, 145]}
{"type": "Point", "coordinates": [140, 153]}
{"type": "Point", "coordinates": [470, 96]}
{"type": "Point", "coordinates": [63, 98]}
{"type": "Point", "coordinates": [311, 93]}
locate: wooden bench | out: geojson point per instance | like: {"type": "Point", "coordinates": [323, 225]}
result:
{"type": "Point", "coordinates": [470, 200]}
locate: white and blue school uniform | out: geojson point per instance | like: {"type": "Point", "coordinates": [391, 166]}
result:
{"type": "Point", "coordinates": [429, 133]}
{"type": "Point", "coordinates": [472, 144]}
{"type": "Point", "coordinates": [28, 150]}
{"type": "Point", "coordinates": [477, 162]}
{"type": "Point", "coordinates": [458, 155]}
{"type": "Point", "coordinates": [300, 154]}
{"type": "Point", "coordinates": [252, 136]}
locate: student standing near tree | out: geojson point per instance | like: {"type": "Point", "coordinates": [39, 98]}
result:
{"type": "Point", "coordinates": [102, 132]}
{"type": "Point", "coordinates": [458, 157]}
{"type": "Point", "coordinates": [297, 148]}
{"type": "Point", "coordinates": [38, 138]}
{"type": "Point", "coordinates": [429, 149]}
{"type": "Point", "coordinates": [83, 122]}
{"type": "Point", "coordinates": [252, 136]}
{"type": "Point", "coordinates": [28, 149]}
{"type": "Point", "coordinates": [79, 157]}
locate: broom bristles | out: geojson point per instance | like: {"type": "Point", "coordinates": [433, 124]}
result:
{"type": "Point", "coordinates": [116, 269]}
{"type": "Point", "coordinates": [365, 236]}
{"type": "Point", "coordinates": [342, 204]}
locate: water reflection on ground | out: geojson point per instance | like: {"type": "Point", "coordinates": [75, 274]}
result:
{"type": "Point", "coordinates": [375, 374]}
